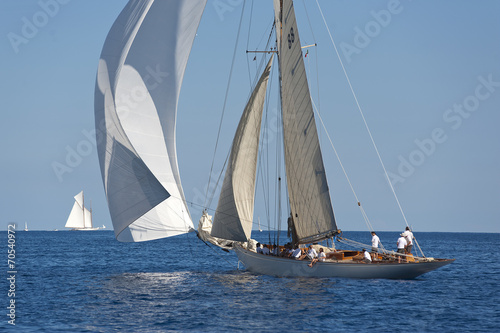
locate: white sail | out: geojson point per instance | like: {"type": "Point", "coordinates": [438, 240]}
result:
{"type": "Point", "coordinates": [79, 199]}
{"type": "Point", "coordinates": [88, 218]}
{"type": "Point", "coordinates": [234, 214]}
{"type": "Point", "coordinates": [205, 233]}
{"type": "Point", "coordinates": [76, 216]}
{"type": "Point", "coordinates": [138, 84]}
{"type": "Point", "coordinates": [309, 197]}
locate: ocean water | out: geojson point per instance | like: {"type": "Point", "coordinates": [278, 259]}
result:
{"type": "Point", "coordinates": [70, 281]}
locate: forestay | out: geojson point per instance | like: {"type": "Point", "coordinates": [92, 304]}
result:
{"type": "Point", "coordinates": [309, 197]}
{"type": "Point", "coordinates": [138, 83]}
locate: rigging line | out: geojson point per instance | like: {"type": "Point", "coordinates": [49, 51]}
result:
{"type": "Point", "coordinates": [365, 217]}
{"type": "Point", "coordinates": [279, 184]}
{"type": "Point", "coordinates": [248, 41]}
{"type": "Point", "coordinates": [272, 24]}
{"type": "Point", "coordinates": [265, 142]}
{"type": "Point", "coordinates": [263, 171]}
{"type": "Point", "coordinates": [308, 21]}
{"type": "Point", "coordinates": [277, 176]}
{"type": "Point", "coordinates": [356, 244]}
{"type": "Point", "coordinates": [212, 195]}
{"type": "Point", "coordinates": [226, 96]}
{"type": "Point", "coordinates": [267, 175]}
{"type": "Point", "coordinates": [362, 116]}
{"type": "Point", "coordinates": [418, 245]}
{"type": "Point", "coordinates": [258, 44]}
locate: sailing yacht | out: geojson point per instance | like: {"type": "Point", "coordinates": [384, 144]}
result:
{"type": "Point", "coordinates": [138, 158]}
{"type": "Point", "coordinates": [80, 218]}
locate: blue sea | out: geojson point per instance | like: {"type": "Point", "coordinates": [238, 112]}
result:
{"type": "Point", "coordinates": [68, 281]}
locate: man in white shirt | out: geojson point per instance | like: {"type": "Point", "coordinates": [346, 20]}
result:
{"type": "Point", "coordinates": [366, 256]}
{"type": "Point", "coordinates": [311, 253]}
{"type": "Point", "coordinates": [296, 253]}
{"type": "Point", "coordinates": [321, 257]}
{"type": "Point", "coordinates": [375, 242]}
{"type": "Point", "coordinates": [409, 239]}
{"type": "Point", "coordinates": [401, 245]}
{"type": "Point", "coordinates": [265, 250]}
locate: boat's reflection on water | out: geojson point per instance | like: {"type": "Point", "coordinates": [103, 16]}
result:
{"type": "Point", "coordinates": [146, 298]}
{"type": "Point", "coordinates": [279, 289]}
{"type": "Point", "coordinates": [147, 291]}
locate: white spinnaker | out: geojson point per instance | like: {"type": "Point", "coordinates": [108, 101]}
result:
{"type": "Point", "coordinates": [138, 84]}
{"type": "Point", "coordinates": [234, 214]}
{"type": "Point", "coordinates": [308, 192]}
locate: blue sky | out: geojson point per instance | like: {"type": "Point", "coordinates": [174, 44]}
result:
{"type": "Point", "coordinates": [426, 73]}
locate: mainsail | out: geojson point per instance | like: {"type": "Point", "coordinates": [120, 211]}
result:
{"type": "Point", "coordinates": [138, 84]}
{"type": "Point", "coordinates": [309, 197]}
{"type": "Point", "coordinates": [234, 214]}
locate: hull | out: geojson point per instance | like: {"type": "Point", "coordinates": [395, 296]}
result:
{"type": "Point", "coordinates": [86, 229]}
{"type": "Point", "coordinates": [270, 265]}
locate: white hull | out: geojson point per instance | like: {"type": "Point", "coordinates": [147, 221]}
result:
{"type": "Point", "coordinates": [86, 229]}
{"type": "Point", "coordinates": [277, 266]}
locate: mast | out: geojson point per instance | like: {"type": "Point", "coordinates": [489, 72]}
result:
{"type": "Point", "coordinates": [83, 210]}
{"type": "Point", "coordinates": [310, 204]}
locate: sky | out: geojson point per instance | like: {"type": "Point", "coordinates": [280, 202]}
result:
{"type": "Point", "coordinates": [426, 75]}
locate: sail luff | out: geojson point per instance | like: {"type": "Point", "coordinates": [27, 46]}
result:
{"type": "Point", "coordinates": [137, 89]}
{"type": "Point", "coordinates": [309, 196]}
{"type": "Point", "coordinates": [234, 215]}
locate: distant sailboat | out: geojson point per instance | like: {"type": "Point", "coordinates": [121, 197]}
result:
{"type": "Point", "coordinates": [25, 226]}
{"type": "Point", "coordinates": [80, 217]}
{"type": "Point", "coordinates": [138, 158]}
